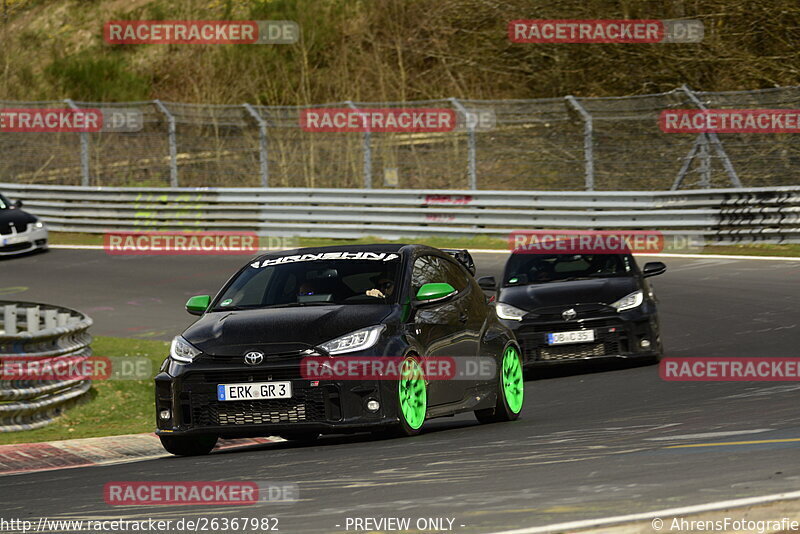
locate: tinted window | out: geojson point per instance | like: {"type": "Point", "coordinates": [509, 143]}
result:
{"type": "Point", "coordinates": [317, 280]}
{"type": "Point", "coordinates": [455, 276]}
{"type": "Point", "coordinates": [544, 268]}
{"type": "Point", "coordinates": [427, 270]}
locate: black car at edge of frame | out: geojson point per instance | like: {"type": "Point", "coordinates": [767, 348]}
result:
{"type": "Point", "coordinates": [403, 301]}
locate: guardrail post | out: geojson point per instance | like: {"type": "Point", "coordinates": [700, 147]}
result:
{"type": "Point", "coordinates": [588, 143]}
{"type": "Point", "coordinates": [10, 319]}
{"type": "Point", "coordinates": [50, 319]}
{"type": "Point", "coordinates": [32, 318]}
{"type": "Point", "coordinates": [173, 145]}
{"type": "Point", "coordinates": [471, 144]}
{"type": "Point", "coordinates": [85, 178]}
{"type": "Point", "coordinates": [367, 153]}
{"type": "Point", "coordinates": [714, 139]}
{"type": "Point", "coordinates": [262, 144]}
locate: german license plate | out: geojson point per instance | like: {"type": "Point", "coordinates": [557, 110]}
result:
{"type": "Point", "coordinates": [573, 336]}
{"type": "Point", "coordinates": [254, 391]}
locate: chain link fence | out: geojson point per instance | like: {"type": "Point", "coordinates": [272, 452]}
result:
{"type": "Point", "coordinates": [611, 143]}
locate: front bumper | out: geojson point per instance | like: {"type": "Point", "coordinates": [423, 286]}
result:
{"type": "Point", "coordinates": [315, 406]}
{"type": "Point", "coordinates": [632, 334]}
{"type": "Point", "coordinates": [23, 242]}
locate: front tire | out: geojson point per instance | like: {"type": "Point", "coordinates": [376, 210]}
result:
{"type": "Point", "coordinates": [412, 399]}
{"type": "Point", "coordinates": [188, 445]}
{"type": "Point", "coordinates": [510, 390]}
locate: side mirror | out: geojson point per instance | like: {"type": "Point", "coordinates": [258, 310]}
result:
{"type": "Point", "coordinates": [197, 305]}
{"type": "Point", "coordinates": [653, 268]}
{"type": "Point", "coordinates": [434, 292]}
{"type": "Point", "coordinates": [17, 204]}
{"type": "Point", "coordinates": [488, 283]}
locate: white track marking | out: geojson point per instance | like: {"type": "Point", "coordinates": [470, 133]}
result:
{"type": "Point", "coordinates": [670, 512]}
{"type": "Point", "coordinates": [706, 435]}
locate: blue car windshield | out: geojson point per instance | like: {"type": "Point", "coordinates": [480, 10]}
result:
{"type": "Point", "coordinates": [314, 280]}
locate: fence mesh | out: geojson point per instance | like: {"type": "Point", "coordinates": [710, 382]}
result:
{"type": "Point", "coordinates": [610, 143]}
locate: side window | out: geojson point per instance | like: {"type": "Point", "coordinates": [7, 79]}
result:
{"type": "Point", "coordinates": [427, 270]}
{"type": "Point", "coordinates": [455, 276]}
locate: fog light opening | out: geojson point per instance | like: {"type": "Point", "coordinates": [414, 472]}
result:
{"type": "Point", "coordinates": [645, 343]}
{"type": "Point", "coordinates": [165, 414]}
{"type": "Point", "coordinates": [373, 405]}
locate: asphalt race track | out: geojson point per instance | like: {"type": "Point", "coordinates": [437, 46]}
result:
{"type": "Point", "coordinates": [593, 441]}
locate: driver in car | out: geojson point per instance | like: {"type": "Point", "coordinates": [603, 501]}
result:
{"type": "Point", "coordinates": [384, 287]}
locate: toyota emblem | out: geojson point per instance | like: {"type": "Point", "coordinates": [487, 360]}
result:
{"type": "Point", "coordinates": [569, 314]}
{"type": "Point", "coordinates": [253, 357]}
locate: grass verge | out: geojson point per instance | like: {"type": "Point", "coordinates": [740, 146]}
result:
{"type": "Point", "coordinates": [116, 406]}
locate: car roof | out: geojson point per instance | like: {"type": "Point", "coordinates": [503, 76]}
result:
{"type": "Point", "coordinates": [378, 247]}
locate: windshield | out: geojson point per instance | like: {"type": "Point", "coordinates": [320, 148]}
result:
{"type": "Point", "coordinates": [316, 282]}
{"type": "Point", "coordinates": [525, 269]}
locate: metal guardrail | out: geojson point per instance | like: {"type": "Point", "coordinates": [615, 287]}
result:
{"type": "Point", "coordinates": [721, 215]}
{"type": "Point", "coordinates": [31, 331]}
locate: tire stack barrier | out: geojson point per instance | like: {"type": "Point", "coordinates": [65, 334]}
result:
{"type": "Point", "coordinates": [33, 331]}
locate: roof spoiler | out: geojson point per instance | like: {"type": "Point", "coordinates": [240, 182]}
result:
{"type": "Point", "coordinates": [464, 257]}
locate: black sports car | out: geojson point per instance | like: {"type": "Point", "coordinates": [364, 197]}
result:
{"type": "Point", "coordinates": [20, 232]}
{"type": "Point", "coordinates": [238, 371]}
{"type": "Point", "coordinates": [567, 307]}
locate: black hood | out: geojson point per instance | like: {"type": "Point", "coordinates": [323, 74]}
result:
{"type": "Point", "coordinates": [280, 330]}
{"type": "Point", "coordinates": [596, 290]}
{"type": "Point", "coordinates": [19, 218]}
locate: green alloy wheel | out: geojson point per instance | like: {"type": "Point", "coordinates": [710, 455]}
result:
{"type": "Point", "coordinates": [512, 380]}
{"type": "Point", "coordinates": [511, 391]}
{"type": "Point", "coordinates": [412, 397]}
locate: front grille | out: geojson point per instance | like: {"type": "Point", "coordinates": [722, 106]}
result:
{"type": "Point", "coordinates": [570, 352]}
{"type": "Point", "coordinates": [305, 405]}
{"type": "Point", "coordinates": [255, 413]}
{"type": "Point", "coordinates": [15, 247]}
{"type": "Point", "coordinates": [260, 375]}
{"type": "Point", "coordinates": [533, 340]}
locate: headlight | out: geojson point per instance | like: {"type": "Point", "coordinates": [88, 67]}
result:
{"type": "Point", "coordinates": [629, 301]}
{"type": "Point", "coordinates": [183, 351]}
{"type": "Point", "coordinates": [507, 311]}
{"type": "Point", "coordinates": [358, 340]}
{"type": "Point", "coordinates": [38, 224]}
